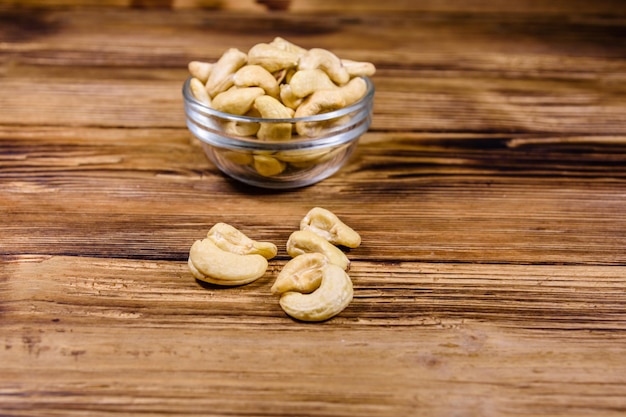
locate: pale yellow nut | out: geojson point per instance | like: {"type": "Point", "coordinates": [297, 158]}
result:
{"type": "Point", "coordinates": [327, 225]}
{"type": "Point", "coordinates": [327, 61]}
{"type": "Point", "coordinates": [288, 98]}
{"type": "Point", "coordinates": [288, 46]}
{"type": "Point", "coordinates": [301, 155]}
{"type": "Point", "coordinates": [231, 239]}
{"type": "Point", "coordinates": [301, 274]}
{"type": "Point", "coordinates": [306, 82]}
{"type": "Point", "coordinates": [333, 295]}
{"type": "Point", "coordinates": [221, 77]}
{"type": "Point", "coordinates": [237, 101]}
{"type": "Point", "coordinates": [353, 91]}
{"type": "Point", "coordinates": [305, 241]}
{"type": "Point", "coordinates": [199, 91]}
{"type": "Point", "coordinates": [358, 68]}
{"type": "Point", "coordinates": [238, 128]}
{"type": "Point", "coordinates": [271, 108]}
{"type": "Point", "coordinates": [271, 57]}
{"type": "Point", "coordinates": [268, 166]}
{"type": "Point", "coordinates": [236, 157]}
{"type": "Point", "coordinates": [200, 70]}
{"type": "Point", "coordinates": [209, 263]}
{"type": "Point", "coordinates": [256, 76]}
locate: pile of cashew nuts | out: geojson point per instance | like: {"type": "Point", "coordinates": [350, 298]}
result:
{"type": "Point", "coordinates": [313, 285]}
{"type": "Point", "coordinates": [278, 80]}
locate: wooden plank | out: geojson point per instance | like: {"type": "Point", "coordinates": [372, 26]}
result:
{"type": "Point", "coordinates": [437, 338]}
{"type": "Point", "coordinates": [465, 198]}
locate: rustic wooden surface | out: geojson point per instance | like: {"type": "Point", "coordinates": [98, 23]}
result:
{"type": "Point", "coordinates": [490, 193]}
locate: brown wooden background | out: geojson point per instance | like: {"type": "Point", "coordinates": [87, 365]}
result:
{"type": "Point", "coordinates": [490, 193]}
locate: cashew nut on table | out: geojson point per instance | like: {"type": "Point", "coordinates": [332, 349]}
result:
{"type": "Point", "coordinates": [229, 257]}
{"type": "Point", "coordinates": [279, 80]}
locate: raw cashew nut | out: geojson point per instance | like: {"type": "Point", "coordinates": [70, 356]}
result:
{"type": "Point", "coordinates": [223, 70]}
{"type": "Point", "coordinates": [288, 98]}
{"type": "Point", "coordinates": [256, 76]}
{"type": "Point", "coordinates": [305, 241]}
{"type": "Point", "coordinates": [271, 108]}
{"type": "Point", "coordinates": [287, 46]}
{"type": "Point", "coordinates": [268, 166]}
{"type": "Point", "coordinates": [326, 224]}
{"type": "Point", "coordinates": [327, 61]}
{"type": "Point", "coordinates": [229, 238]}
{"type": "Point", "coordinates": [271, 57]}
{"type": "Point", "coordinates": [237, 100]}
{"type": "Point", "coordinates": [199, 91]}
{"type": "Point", "coordinates": [333, 296]}
{"type": "Point", "coordinates": [306, 82]}
{"type": "Point", "coordinates": [209, 263]}
{"type": "Point", "coordinates": [358, 69]}
{"type": "Point", "coordinates": [301, 274]}
{"type": "Point", "coordinates": [200, 70]}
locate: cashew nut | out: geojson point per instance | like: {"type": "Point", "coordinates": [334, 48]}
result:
{"type": "Point", "coordinates": [268, 166]}
{"type": "Point", "coordinates": [237, 100]}
{"type": "Point", "coordinates": [223, 70]}
{"type": "Point", "coordinates": [358, 69]}
{"type": "Point", "coordinates": [323, 101]}
{"type": "Point", "coordinates": [200, 70]}
{"type": "Point", "coordinates": [305, 241]}
{"type": "Point", "coordinates": [327, 61]}
{"type": "Point", "coordinates": [271, 57]}
{"type": "Point", "coordinates": [271, 108]}
{"type": "Point", "coordinates": [326, 224]}
{"type": "Point", "coordinates": [306, 82]}
{"type": "Point", "coordinates": [287, 46]}
{"type": "Point", "coordinates": [199, 91]}
{"type": "Point", "coordinates": [229, 238]}
{"type": "Point", "coordinates": [302, 274]}
{"type": "Point", "coordinates": [333, 296]}
{"type": "Point", "coordinates": [288, 98]}
{"type": "Point", "coordinates": [256, 76]}
{"type": "Point", "coordinates": [209, 263]}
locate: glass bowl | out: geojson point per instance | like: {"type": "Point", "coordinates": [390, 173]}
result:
{"type": "Point", "coordinates": [322, 147]}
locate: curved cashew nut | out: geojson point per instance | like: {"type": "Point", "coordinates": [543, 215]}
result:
{"type": "Point", "coordinates": [268, 166]}
{"type": "Point", "coordinates": [271, 108]}
{"type": "Point", "coordinates": [326, 224]}
{"type": "Point", "coordinates": [256, 76]}
{"type": "Point", "coordinates": [199, 91]}
{"type": "Point", "coordinates": [358, 68]}
{"type": "Point", "coordinates": [333, 296]}
{"type": "Point", "coordinates": [287, 46]}
{"type": "Point", "coordinates": [306, 82]}
{"type": "Point", "coordinates": [301, 274]}
{"type": "Point", "coordinates": [305, 241]}
{"type": "Point", "coordinates": [222, 72]}
{"type": "Point", "coordinates": [327, 61]}
{"type": "Point", "coordinates": [209, 263]}
{"type": "Point", "coordinates": [228, 238]}
{"type": "Point", "coordinates": [288, 98]}
{"type": "Point", "coordinates": [237, 100]}
{"type": "Point", "coordinates": [200, 70]}
{"type": "Point", "coordinates": [271, 57]}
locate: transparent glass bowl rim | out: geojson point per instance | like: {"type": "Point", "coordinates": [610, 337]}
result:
{"type": "Point", "coordinates": [363, 103]}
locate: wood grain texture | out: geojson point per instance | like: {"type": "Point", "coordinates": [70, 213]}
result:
{"type": "Point", "coordinates": [490, 193]}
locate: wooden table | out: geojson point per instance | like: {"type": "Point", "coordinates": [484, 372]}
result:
{"type": "Point", "coordinates": [490, 193]}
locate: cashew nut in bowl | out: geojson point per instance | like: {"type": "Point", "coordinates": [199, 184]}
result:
{"type": "Point", "coordinates": [237, 100]}
{"type": "Point", "coordinates": [256, 76]}
{"type": "Point", "coordinates": [200, 70]}
{"type": "Point", "coordinates": [327, 225]}
{"type": "Point", "coordinates": [211, 264]}
{"type": "Point", "coordinates": [271, 57]}
{"type": "Point", "coordinates": [199, 91]}
{"type": "Point", "coordinates": [327, 61]}
{"type": "Point", "coordinates": [305, 241]}
{"type": "Point", "coordinates": [271, 108]}
{"type": "Point", "coordinates": [223, 70]}
{"type": "Point", "coordinates": [332, 297]}
{"type": "Point", "coordinates": [358, 69]}
{"type": "Point", "coordinates": [229, 238]}
{"type": "Point", "coordinates": [268, 166]}
{"type": "Point", "coordinates": [306, 82]}
{"type": "Point", "coordinates": [302, 274]}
